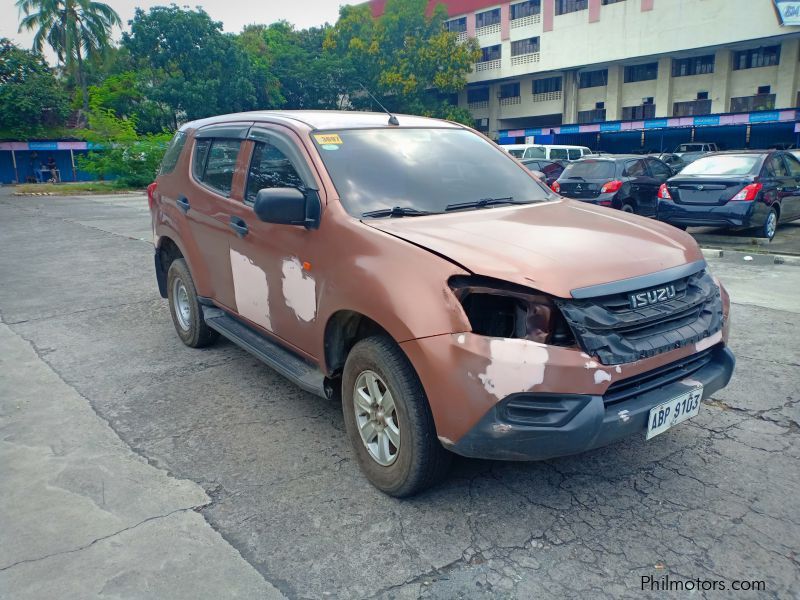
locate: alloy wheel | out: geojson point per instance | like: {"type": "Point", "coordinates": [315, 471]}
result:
{"type": "Point", "coordinates": [376, 418]}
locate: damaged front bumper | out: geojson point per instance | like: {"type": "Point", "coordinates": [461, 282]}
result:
{"type": "Point", "coordinates": [530, 426]}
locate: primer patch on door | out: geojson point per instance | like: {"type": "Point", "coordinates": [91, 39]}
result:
{"type": "Point", "coordinates": [251, 290]}
{"type": "Point", "coordinates": [299, 290]}
{"type": "Point", "coordinates": [516, 366]}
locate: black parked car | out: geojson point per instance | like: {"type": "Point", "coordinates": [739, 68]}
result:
{"type": "Point", "coordinates": [757, 188]}
{"type": "Point", "coordinates": [629, 183]}
{"type": "Point", "coordinates": [551, 169]}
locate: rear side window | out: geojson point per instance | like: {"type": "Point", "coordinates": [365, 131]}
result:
{"type": "Point", "coordinates": [172, 154]}
{"type": "Point", "coordinates": [658, 169]}
{"type": "Point", "coordinates": [215, 163]}
{"type": "Point", "coordinates": [590, 169]}
{"type": "Point", "coordinates": [775, 166]}
{"type": "Point", "coordinates": [558, 153]}
{"type": "Point", "coordinates": [574, 153]}
{"type": "Point", "coordinates": [792, 164]}
{"type": "Point", "coordinates": [270, 168]}
{"type": "Point", "coordinates": [635, 168]}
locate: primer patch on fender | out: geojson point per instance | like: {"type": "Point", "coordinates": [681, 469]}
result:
{"type": "Point", "coordinates": [250, 290]}
{"type": "Point", "coordinates": [515, 366]}
{"type": "Point", "coordinates": [299, 290]}
{"type": "Point", "coordinates": [708, 342]}
{"type": "Point", "coordinates": [600, 376]}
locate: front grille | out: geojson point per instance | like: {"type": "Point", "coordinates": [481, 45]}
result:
{"type": "Point", "coordinates": [607, 326]}
{"type": "Point", "coordinates": [657, 378]}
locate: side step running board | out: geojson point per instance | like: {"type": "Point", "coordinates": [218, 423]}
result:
{"type": "Point", "coordinates": [285, 362]}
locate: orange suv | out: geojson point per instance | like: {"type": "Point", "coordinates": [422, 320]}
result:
{"type": "Point", "coordinates": [415, 270]}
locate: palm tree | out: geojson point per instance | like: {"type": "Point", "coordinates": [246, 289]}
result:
{"type": "Point", "coordinates": [74, 29]}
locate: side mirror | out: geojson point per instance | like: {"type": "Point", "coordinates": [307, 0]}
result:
{"type": "Point", "coordinates": [287, 206]}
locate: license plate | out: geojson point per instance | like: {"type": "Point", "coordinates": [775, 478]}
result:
{"type": "Point", "coordinates": [674, 411]}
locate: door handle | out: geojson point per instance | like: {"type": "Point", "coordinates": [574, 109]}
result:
{"type": "Point", "coordinates": [183, 203]}
{"type": "Point", "coordinates": [239, 226]}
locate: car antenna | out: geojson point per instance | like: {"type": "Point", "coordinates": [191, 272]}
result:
{"type": "Point", "coordinates": [392, 119]}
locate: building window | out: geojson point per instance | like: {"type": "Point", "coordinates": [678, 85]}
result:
{"type": "Point", "coordinates": [691, 108]}
{"type": "Point", "coordinates": [568, 6]}
{"type": "Point", "coordinates": [597, 115]}
{"type": "Point", "coordinates": [606, 2]}
{"type": "Point", "coordinates": [695, 65]}
{"type": "Point", "coordinates": [526, 9]}
{"type": "Point", "coordinates": [528, 46]}
{"type": "Point", "coordinates": [590, 79]}
{"type": "Point", "coordinates": [764, 89]}
{"type": "Point", "coordinates": [477, 95]}
{"type": "Point", "coordinates": [490, 17]}
{"type": "Point", "coordinates": [490, 53]}
{"type": "Point", "coordinates": [645, 72]}
{"type": "Point", "coordinates": [702, 95]}
{"type": "Point", "coordinates": [766, 56]}
{"type": "Point", "coordinates": [456, 25]}
{"type": "Point", "coordinates": [543, 86]}
{"type": "Point", "coordinates": [753, 103]}
{"type": "Point", "coordinates": [637, 113]}
{"type": "Point", "coordinates": [509, 90]}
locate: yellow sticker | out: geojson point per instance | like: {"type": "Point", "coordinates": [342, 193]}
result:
{"type": "Point", "coordinates": [327, 138]}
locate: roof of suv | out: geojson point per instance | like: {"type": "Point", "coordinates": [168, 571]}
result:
{"type": "Point", "coordinates": [323, 119]}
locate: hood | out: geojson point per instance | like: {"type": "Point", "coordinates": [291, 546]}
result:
{"type": "Point", "coordinates": [554, 247]}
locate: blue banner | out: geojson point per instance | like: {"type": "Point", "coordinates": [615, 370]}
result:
{"type": "Point", "coordinates": [655, 124]}
{"type": "Point", "coordinates": [706, 120]}
{"type": "Point", "coordinates": [762, 117]}
{"type": "Point", "coordinates": [570, 128]}
{"type": "Point", "coordinates": [610, 126]}
{"type": "Point", "coordinates": [42, 145]}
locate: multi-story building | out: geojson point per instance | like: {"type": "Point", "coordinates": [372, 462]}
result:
{"type": "Point", "coordinates": [632, 74]}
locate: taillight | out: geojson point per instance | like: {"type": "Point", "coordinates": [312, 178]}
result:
{"type": "Point", "coordinates": [555, 187]}
{"type": "Point", "coordinates": [748, 193]}
{"type": "Point", "coordinates": [151, 194]}
{"type": "Point", "coordinates": [663, 192]}
{"type": "Point", "coordinates": [611, 186]}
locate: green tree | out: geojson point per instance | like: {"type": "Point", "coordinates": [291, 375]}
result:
{"type": "Point", "coordinates": [406, 57]}
{"type": "Point", "coordinates": [190, 68]}
{"type": "Point", "coordinates": [31, 98]}
{"type": "Point", "coordinates": [74, 29]}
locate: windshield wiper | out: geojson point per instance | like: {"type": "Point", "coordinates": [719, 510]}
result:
{"type": "Point", "coordinates": [397, 211]}
{"type": "Point", "coordinates": [484, 202]}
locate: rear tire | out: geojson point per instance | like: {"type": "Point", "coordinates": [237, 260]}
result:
{"type": "Point", "coordinates": [770, 226]}
{"type": "Point", "coordinates": [187, 314]}
{"type": "Point", "coordinates": [628, 208]}
{"type": "Point", "coordinates": [397, 448]}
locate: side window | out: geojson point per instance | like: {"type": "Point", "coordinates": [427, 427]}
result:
{"type": "Point", "coordinates": [775, 166]}
{"type": "Point", "coordinates": [199, 158]}
{"type": "Point", "coordinates": [558, 153]}
{"type": "Point", "coordinates": [270, 168]}
{"type": "Point", "coordinates": [635, 168]}
{"type": "Point", "coordinates": [172, 153]}
{"type": "Point", "coordinates": [792, 164]}
{"type": "Point", "coordinates": [221, 164]}
{"type": "Point", "coordinates": [574, 153]}
{"type": "Point", "coordinates": [659, 169]}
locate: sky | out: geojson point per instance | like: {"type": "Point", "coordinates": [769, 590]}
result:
{"type": "Point", "coordinates": [234, 14]}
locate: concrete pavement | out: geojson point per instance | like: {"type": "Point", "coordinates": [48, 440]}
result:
{"type": "Point", "coordinates": [716, 498]}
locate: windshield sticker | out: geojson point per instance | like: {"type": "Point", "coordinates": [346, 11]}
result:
{"type": "Point", "coordinates": [330, 147]}
{"type": "Point", "coordinates": [328, 139]}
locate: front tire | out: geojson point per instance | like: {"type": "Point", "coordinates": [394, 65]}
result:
{"type": "Point", "coordinates": [187, 315]}
{"type": "Point", "coordinates": [389, 421]}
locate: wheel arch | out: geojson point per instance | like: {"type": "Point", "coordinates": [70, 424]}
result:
{"type": "Point", "coordinates": [343, 330]}
{"type": "Point", "coordinates": [167, 250]}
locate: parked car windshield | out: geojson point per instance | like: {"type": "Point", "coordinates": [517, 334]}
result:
{"type": "Point", "coordinates": [689, 148]}
{"type": "Point", "coordinates": [724, 164]}
{"type": "Point", "coordinates": [590, 169]}
{"type": "Point", "coordinates": [423, 169]}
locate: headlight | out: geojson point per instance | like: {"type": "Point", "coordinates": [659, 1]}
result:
{"type": "Point", "coordinates": [497, 308]}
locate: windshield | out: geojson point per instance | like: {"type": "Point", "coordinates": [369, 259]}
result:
{"type": "Point", "coordinates": [423, 169]}
{"type": "Point", "coordinates": [689, 148]}
{"type": "Point", "coordinates": [590, 169]}
{"type": "Point", "coordinates": [535, 152]}
{"type": "Point", "coordinates": [724, 165]}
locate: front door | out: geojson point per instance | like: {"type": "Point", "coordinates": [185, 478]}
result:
{"type": "Point", "coordinates": [273, 265]}
{"type": "Point", "coordinates": [792, 200]}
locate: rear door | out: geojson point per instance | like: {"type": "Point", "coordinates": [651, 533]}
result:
{"type": "Point", "coordinates": [778, 186]}
{"type": "Point", "coordinates": [659, 173]}
{"type": "Point", "coordinates": [640, 184]}
{"type": "Point", "coordinates": [214, 158]}
{"type": "Point", "coordinates": [792, 201]}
